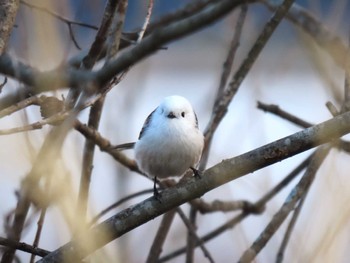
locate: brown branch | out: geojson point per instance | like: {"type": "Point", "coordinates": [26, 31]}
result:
{"type": "Point", "coordinates": [105, 146]}
{"type": "Point", "coordinates": [96, 48]}
{"type": "Point", "coordinates": [275, 109]}
{"type": "Point", "coordinates": [23, 247]}
{"type": "Point", "coordinates": [159, 239]}
{"type": "Point", "coordinates": [75, 78]}
{"type": "Point", "coordinates": [332, 44]}
{"type": "Point", "coordinates": [34, 100]}
{"type": "Point", "coordinates": [225, 171]}
{"type": "Point", "coordinates": [280, 253]}
{"type": "Point", "coordinates": [192, 230]}
{"type": "Point", "coordinates": [227, 96]}
{"type": "Point", "coordinates": [225, 206]}
{"type": "Point", "coordinates": [227, 68]}
{"type": "Point", "coordinates": [191, 239]}
{"type": "Point", "coordinates": [8, 12]}
{"type": "Point", "coordinates": [47, 155]}
{"type": "Point", "coordinates": [257, 206]}
{"type": "Point", "coordinates": [116, 204]}
{"type": "Point", "coordinates": [297, 192]}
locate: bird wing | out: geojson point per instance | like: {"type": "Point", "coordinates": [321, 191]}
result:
{"type": "Point", "coordinates": [124, 146]}
{"type": "Point", "coordinates": [146, 124]}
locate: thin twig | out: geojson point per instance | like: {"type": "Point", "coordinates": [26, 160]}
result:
{"type": "Point", "coordinates": [331, 43]}
{"type": "Point", "coordinates": [239, 76]}
{"type": "Point", "coordinates": [115, 205]}
{"type": "Point", "coordinates": [159, 239]}
{"type": "Point", "coordinates": [68, 21]}
{"type": "Point", "coordinates": [146, 22]}
{"type": "Point", "coordinates": [295, 195]}
{"type": "Point", "coordinates": [38, 232]}
{"type": "Point", "coordinates": [193, 232]}
{"type": "Point", "coordinates": [260, 204]}
{"type": "Point", "coordinates": [224, 206]}
{"type": "Point", "coordinates": [280, 253]}
{"type": "Point", "coordinates": [23, 247]}
{"type": "Point", "coordinates": [275, 109]}
{"type": "Point", "coordinates": [191, 240]}
{"type": "Point", "coordinates": [34, 100]}
{"type": "Point", "coordinates": [58, 16]}
{"type": "Point", "coordinates": [227, 68]}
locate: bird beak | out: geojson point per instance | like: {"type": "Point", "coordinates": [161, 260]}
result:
{"type": "Point", "coordinates": [171, 115]}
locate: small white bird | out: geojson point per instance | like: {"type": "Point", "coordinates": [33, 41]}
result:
{"type": "Point", "coordinates": [170, 142]}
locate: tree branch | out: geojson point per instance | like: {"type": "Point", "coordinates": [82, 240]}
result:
{"type": "Point", "coordinates": [8, 11]}
{"type": "Point", "coordinates": [214, 177]}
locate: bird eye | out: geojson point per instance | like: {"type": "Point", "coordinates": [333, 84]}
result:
{"type": "Point", "coordinates": [183, 114]}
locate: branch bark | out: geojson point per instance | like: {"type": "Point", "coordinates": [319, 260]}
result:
{"type": "Point", "coordinates": [214, 177]}
{"type": "Point", "coordinates": [8, 11]}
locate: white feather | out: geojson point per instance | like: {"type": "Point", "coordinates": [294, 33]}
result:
{"type": "Point", "coordinates": [170, 141]}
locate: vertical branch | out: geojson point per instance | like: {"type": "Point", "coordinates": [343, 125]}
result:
{"type": "Point", "coordinates": [160, 237]}
{"type": "Point", "coordinates": [8, 11]}
{"type": "Point", "coordinates": [191, 240]}
{"type": "Point", "coordinates": [38, 232]}
{"type": "Point", "coordinates": [94, 120]}
{"type": "Point", "coordinates": [346, 104]}
{"type": "Point", "coordinates": [227, 68]}
{"type": "Point", "coordinates": [96, 48]}
{"type": "Point", "coordinates": [280, 253]}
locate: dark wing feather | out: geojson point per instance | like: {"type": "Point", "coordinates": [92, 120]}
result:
{"type": "Point", "coordinates": [146, 124]}
{"type": "Point", "coordinates": [124, 146]}
{"type": "Point", "coordinates": [195, 115]}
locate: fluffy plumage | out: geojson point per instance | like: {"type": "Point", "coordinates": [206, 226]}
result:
{"type": "Point", "coordinates": [170, 142]}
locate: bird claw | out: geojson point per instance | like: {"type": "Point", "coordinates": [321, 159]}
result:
{"type": "Point", "coordinates": [197, 173]}
{"type": "Point", "coordinates": [157, 195]}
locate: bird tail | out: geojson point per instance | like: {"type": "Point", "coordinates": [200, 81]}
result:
{"type": "Point", "coordinates": [124, 146]}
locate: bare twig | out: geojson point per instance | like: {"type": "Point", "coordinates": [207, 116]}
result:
{"type": "Point", "coordinates": [259, 205]}
{"type": "Point", "coordinates": [38, 232]}
{"type": "Point", "coordinates": [74, 78]}
{"type": "Point", "coordinates": [280, 253]}
{"type": "Point", "coordinates": [23, 247]}
{"type": "Point", "coordinates": [68, 21]}
{"type": "Point", "coordinates": [227, 96]}
{"type": "Point", "coordinates": [227, 68]}
{"type": "Point", "coordinates": [146, 22]}
{"type": "Point", "coordinates": [297, 192]}
{"type": "Point", "coordinates": [115, 205]}
{"type": "Point", "coordinates": [34, 100]}
{"type": "Point", "coordinates": [158, 241]}
{"type": "Point", "coordinates": [275, 109]}
{"type": "Point", "coordinates": [332, 44]}
{"type": "Point", "coordinates": [191, 229]}
{"type": "Point", "coordinates": [105, 146]}
{"type": "Point", "coordinates": [224, 206]}
{"type": "Point", "coordinates": [191, 240]}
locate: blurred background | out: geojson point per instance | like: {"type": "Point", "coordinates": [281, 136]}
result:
{"type": "Point", "coordinates": [292, 72]}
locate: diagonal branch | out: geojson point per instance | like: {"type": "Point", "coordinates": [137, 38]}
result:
{"type": "Point", "coordinates": [295, 195]}
{"type": "Point", "coordinates": [214, 177]}
{"type": "Point", "coordinates": [70, 77]}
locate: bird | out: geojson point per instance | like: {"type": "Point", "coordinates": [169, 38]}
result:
{"type": "Point", "coordinates": [170, 142]}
